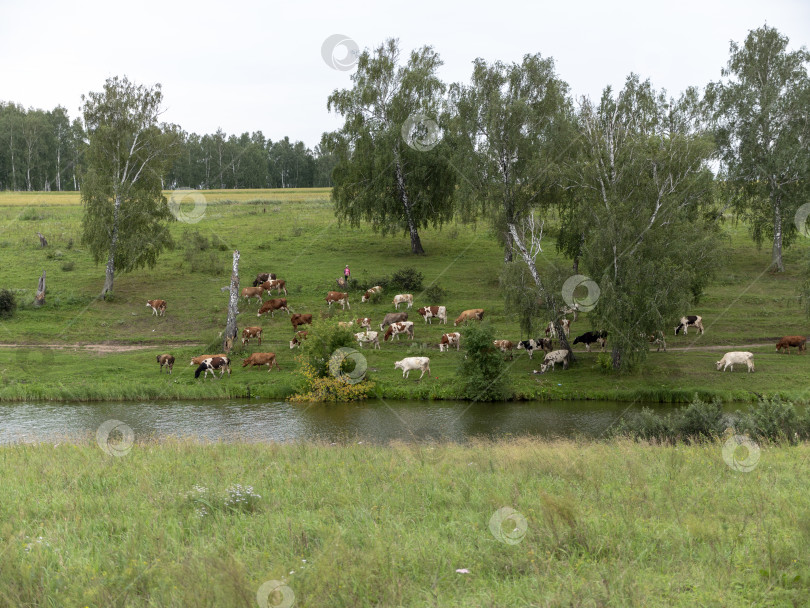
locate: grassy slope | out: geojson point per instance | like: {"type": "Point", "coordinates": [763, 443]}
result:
{"type": "Point", "coordinates": [295, 235]}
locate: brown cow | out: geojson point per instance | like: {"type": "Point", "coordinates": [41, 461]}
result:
{"type": "Point", "coordinates": [263, 277]}
{"type": "Point", "coordinates": [504, 346]}
{"type": "Point", "coordinates": [268, 359]}
{"type": "Point", "coordinates": [201, 358]}
{"type": "Point", "coordinates": [393, 317]}
{"type": "Point", "coordinates": [276, 284]}
{"type": "Point", "coordinates": [451, 339]}
{"type": "Point", "coordinates": [787, 341]}
{"type": "Point", "coordinates": [299, 337]}
{"type": "Point", "coordinates": [167, 360]}
{"type": "Point", "coordinates": [157, 306]}
{"type": "Point", "coordinates": [252, 292]}
{"type": "Point", "coordinates": [364, 322]}
{"type": "Point", "coordinates": [371, 293]}
{"type": "Point", "coordinates": [251, 332]}
{"type": "Point", "coordinates": [339, 297]}
{"type": "Point", "coordinates": [298, 319]}
{"type": "Point", "coordinates": [403, 327]}
{"type": "Point", "coordinates": [273, 305]}
{"type": "Point", "coordinates": [474, 314]}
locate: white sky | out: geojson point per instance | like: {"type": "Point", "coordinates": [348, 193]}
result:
{"type": "Point", "coordinates": [248, 66]}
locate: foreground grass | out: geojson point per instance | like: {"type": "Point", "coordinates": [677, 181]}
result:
{"type": "Point", "coordinates": [607, 524]}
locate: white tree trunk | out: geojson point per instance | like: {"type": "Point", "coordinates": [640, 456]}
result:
{"type": "Point", "coordinates": [230, 329]}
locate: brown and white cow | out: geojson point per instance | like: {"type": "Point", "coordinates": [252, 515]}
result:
{"type": "Point", "coordinates": [277, 284]}
{"type": "Point", "coordinates": [299, 337]}
{"type": "Point", "coordinates": [364, 322]}
{"type": "Point", "coordinates": [157, 306]}
{"type": "Point", "coordinates": [223, 364]}
{"type": "Point", "coordinates": [403, 298]}
{"type": "Point", "coordinates": [403, 327]}
{"type": "Point", "coordinates": [370, 293]}
{"type": "Point", "coordinates": [339, 297]}
{"type": "Point", "coordinates": [345, 324]}
{"type": "Point", "coordinates": [434, 312]}
{"type": "Point", "coordinates": [252, 292]}
{"type": "Point", "coordinates": [393, 317]}
{"type": "Point", "coordinates": [268, 359]}
{"type": "Point", "coordinates": [299, 319]}
{"type": "Point", "coordinates": [167, 360]}
{"type": "Point", "coordinates": [367, 336]}
{"type": "Point", "coordinates": [657, 339]}
{"type": "Point", "coordinates": [273, 305]}
{"type": "Point", "coordinates": [786, 342]}
{"type": "Point", "coordinates": [448, 340]}
{"type": "Point", "coordinates": [263, 278]}
{"type": "Point", "coordinates": [551, 332]}
{"type": "Point", "coordinates": [201, 358]}
{"type": "Point", "coordinates": [251, 332]}
{"type": "Point", "coordinates": [505, 346]}
{"type": "Point", "coordinates": [474, 314]}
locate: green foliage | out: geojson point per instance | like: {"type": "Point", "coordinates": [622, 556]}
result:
{"type": "Point", "coordinates": [483, 370]}
{"type": "Point", "coordinates": [522, 297]}
{"type": "Point", "coordinates": [435, 294]}
{"type": "Point", "coordinates": [604, 362]}
{"type": "Point", "coordinates": [324, 337]}
{"type": "Point", "coordinates": [68, 266]}
{"type": "Point", "coordinates": [8, 304]}
{"type": "Point", "coordinates": [31, 214]}
{"type": "Point", "coordinates": [407, 279]}
{"type": "Point", "coordinates": [775, 420]}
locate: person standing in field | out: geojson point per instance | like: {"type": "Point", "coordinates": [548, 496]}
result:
{"type": "Point", "coordinates": [347, 274]}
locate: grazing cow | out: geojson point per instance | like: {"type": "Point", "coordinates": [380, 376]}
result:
{"type": "Point", "coordinates": [409, 363]}
{"type": "Point", "coordinates": [251, 332]}
{"type": "Point", "coordinates": [529, 346]}
{"type": "Point", "coordinates": [551, 332]}
{"type": "Point", "coordinates": [787, 341]}
{"type": "Point", "coordinates": [430, 312]}
{"type": "Point", "coordinates": [252, 292]}
{"type": "Point", "coordinates": [403, 327]}
{"type": "Point", "coordinates": [552, 358]}
{"type": "Point", "coordinates": [167, 360]}
{"type": "Point", "coordinates": [658, 339]}
{"type": "Point", "coordinates": [298, 338]}
{"type": "Point", "coordinates": [474, 314]}
{"type": "Point", "coordinates": [393, 317]}
{"type": "Point", "coordinates": [201, 358]}
{"type": "Point", "coordinates": [370, 293]}
{"type": "Point", "coordinates": [276, 284]}
{"type": "Point", "coordinates": [364, 322]}
{"type": "Point", "coordinates": [567, 310]}
{"type": "Point", "coordinates": [448, 340]}
{"type": "Point", "coordinates": [223, 364]}
{"type": "Point", "coordinates": [263, 278]}
{"type": "Point", "coordinates": [690, 321]}
{"type": "Point", "coordinates": [339, 297]}
{"type": "Point", "coordinates": [299, 319]}
{"type": "Point", "coordinates": [367, 336]}
{"type": "Point", "coordinates": [273, 305]}
{"type": "Point", "coordinates": [505, 346]}
{"type": "Point", "coordinates": [157, 306]}
{"type": "Point", "coordinates": [734, 358]}
{"type": "Point", "coordinates": [588, 338]}
{"type": "Point", "coordinates": [268, 359]}
{"type": "Point", "coordinates": [403, 298]}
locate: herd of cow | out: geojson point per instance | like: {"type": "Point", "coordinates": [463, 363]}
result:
{"type": "Point", "coordinates": [397, 323]}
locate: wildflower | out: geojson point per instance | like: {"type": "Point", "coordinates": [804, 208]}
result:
{"type": "Point", "coordinates": [462, 570]}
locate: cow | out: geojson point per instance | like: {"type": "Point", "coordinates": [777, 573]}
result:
{"type": "Point", "coordinates": [340, 297]}
{"type": "Point", "coordinates": [364, 322]}
{"type": "Point", "coordinates": [403, 298]}
{"type": "Point", "coordinates": [474, 314]}
{"type": "Point", "coordinates": [567, 310]}
{"type": "Point", "coordinates": [529, 346]}
{"type": "Point", "coordinates": [787, 341]}
{"type": "Point", "coordinates": [367, 336]}
{"type": "Point", "coordinates": [410, 363]}
{"type": "Point", "coordinates": [371, 293]}
{"type": "Point", "coordinates": [201, 358]}
{"type": "Point", "coordinates": [167, 360]}
{"type": "Point", "coordinates": [268, 359]}
{"type": "Point", "coordinates": [590, 337]}
{"type": "Point", "coordinates": [434, 312]}
{"type": "Point", "coordinates": [551, 332]}
{"type": "Point", "coordinates": [251, 332]}
{"type": "Point", "coordinates": [393, 317]}
{"type": "Point", "coordinates": [505, 346]}
{"type": "Point", "coordinates": [157, 306]}
{"type": "Point", "coordinates": [403, 327]}
{"type": "Point", "coordinates": [223, 364]}
{"type": "Point", "coordinates": [273, 305]}
{"type": "Point", "coordinates": [252, 292]}
{"type": "Point", "coordinates": [448, 340]}
{"type": "Point", "coordinates": [299, 319]}
{"type": "Point", "coordinates": [276, 284]}
{"type": "Point", "coordinates": [263, 278]}
{"type": "Point", "coordinates": [345, 324]}
{"type": "Point", "coordinates": [658, 339]}
{"type": "Point", "coordinates": [690, 321]}
{"type": "Point", "coordinates": [734, 358]}
{"type": "Point", "coordinates": [299, 337]}
{"type": "Point", "coordinates": [552, 358]}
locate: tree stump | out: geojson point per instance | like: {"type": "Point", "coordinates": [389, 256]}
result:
{"type": "Point", "coordinates": [42, 240]}
{"type": "Point", "coordinates": [39, 300]}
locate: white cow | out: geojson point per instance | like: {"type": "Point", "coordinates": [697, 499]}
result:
{"type": "Point", "coordinates": [367, 336]}
{"type": "Point", "coordinates": [733, 358]}
{"type": "Point", "coordinates": [552, 358]}
{"type": "Point", "coordinates": [403, 298]}
{"type": "Point", "coordinates": [409, 363]}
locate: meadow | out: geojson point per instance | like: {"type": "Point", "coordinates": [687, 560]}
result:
{"type": "Point", "coordinates": [294, 234]}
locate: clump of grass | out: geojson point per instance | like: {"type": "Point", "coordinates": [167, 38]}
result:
{"type": "Point", "coordinates": [68, 266]}
{"type": "Point", "coordinates": [31, 215]}
{"type": "Point", "coordinates": [8, 304]}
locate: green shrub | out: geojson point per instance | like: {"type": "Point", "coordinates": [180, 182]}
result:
{"type": "Point", "coordinates": [68, 266]}
{"type": "Point", "coordinates": [31, 215]}
{"type": "Point", "coordinates": [700, 420]}
{"type": "Point", "coordinates": [324, 337]}
{"type": "Point", "coordinates": [8, 304]}
{"type": "Point", "coordinates": [645, 425]}
{"type": "Point", "coordinates": [772, 419]}
{"type": "Point", "coordinates": [483, 370]}
{"type": "Point", "coordinates": [435, 294]}
{"type": "Point", "coordinates": [407, 279]}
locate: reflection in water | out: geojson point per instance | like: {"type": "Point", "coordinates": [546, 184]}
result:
{"type": "Point", "coordinates": [378, 421]}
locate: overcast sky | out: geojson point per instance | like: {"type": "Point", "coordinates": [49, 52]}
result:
{"type": "Point", "coordinates": [248, 66]}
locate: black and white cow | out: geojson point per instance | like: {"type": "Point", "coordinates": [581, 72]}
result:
{"type": "Point", "coordinates": [530, 345]}
{"type": "Point", "coordinates": [592, 337]}
{"type": "Point", "coordinates": [223, 364]}
{"type": "Point", "coordinates": [690, 321]}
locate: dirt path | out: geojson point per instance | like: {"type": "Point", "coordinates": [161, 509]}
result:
{"type": "Point", "coordinates": [104, 347]}
{"type": "Point", "coordinates": [722, 346]}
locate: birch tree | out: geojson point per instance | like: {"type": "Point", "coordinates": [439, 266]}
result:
{"type": "Point", "coordinates": [126, 216]}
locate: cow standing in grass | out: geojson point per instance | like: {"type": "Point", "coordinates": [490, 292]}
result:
{"type": "Point", "coordinates": [167, 361]}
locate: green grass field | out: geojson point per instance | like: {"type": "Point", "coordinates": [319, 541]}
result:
{"type": "Point", "coordinates": [294, 234]}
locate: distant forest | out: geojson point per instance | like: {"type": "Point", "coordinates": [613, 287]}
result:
{"type": "Point", "coordinates": [42, 150]}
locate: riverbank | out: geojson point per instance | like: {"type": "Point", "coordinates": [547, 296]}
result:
{"type": "Point", "coordinates": [507, 523]}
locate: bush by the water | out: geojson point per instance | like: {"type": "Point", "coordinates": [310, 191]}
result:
{"type": "Point", "coordinates": [483, 370]}
{"type": "Point", "coordinates": [8, 304]}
